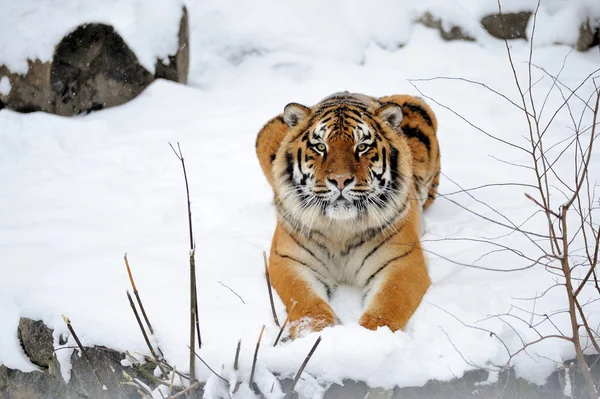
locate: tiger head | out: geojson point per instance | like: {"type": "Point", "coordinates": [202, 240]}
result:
{"type": "Point", "coordinates": [343, 161]}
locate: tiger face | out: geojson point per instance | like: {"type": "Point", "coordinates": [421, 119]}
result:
{"type": "Point", "coordinates": [343, 162]}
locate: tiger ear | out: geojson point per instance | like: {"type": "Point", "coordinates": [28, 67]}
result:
{"type": "Point", "coordinates": [391, 113]}
{"type": "Point", "coordinates": [293, 113]}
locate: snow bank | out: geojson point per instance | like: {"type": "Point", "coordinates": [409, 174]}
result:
{"type": "Point", "coordinates": [32, 28]}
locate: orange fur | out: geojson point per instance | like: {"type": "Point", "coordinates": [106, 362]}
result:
{"type": "Point", "coordinates": [314, 247]}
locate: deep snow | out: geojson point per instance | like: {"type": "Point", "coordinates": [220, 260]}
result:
{"type": "Point", "coordinates": [77, 193]}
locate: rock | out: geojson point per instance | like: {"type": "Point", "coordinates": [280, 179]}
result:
{"type": "Point", "coordinates": [92, 68]}
{"type": "Point", "coordinates": [108, 364]}
{"type": "Point", "coordinates": [348, 390]}
{"type": "Point", "coordinates": [588, 36]}
{"type": "Point", "coordinates": [455, 33]}
{"type": "Point", "coordinates": [30, 92]}
{"type": "Point", "coordinates": [178, 65]}
{"type": "Point", "coordinates": [36, 340]}
{"type": "Point", "coordinates": [15, 384]}
{"type": "Point", "coordinates": [515, 25]}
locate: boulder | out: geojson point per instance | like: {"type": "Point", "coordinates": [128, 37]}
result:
{"type": "Point", "coordinates": [455, 32]}
{"type": "Point", "coordinates": [588, 36]}
{"type": "Point", "coordinates": [513, 25]}
{"type": "Point", "coordinates": [177, 66]}
{"type": "Point", "coordinates": [92, 68]}
{"type": "Point", "coordinates": [37, 341]}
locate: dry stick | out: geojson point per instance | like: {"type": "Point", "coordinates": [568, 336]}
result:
{"type": "Point", "coordinates": [210, 368]}
{"type": "Point", "coordinates": [304, 363]}
{"type": "Point", "coordinates": [284, 323]}
{"type": "Point", "coordinates": [139, 301]}
{"type": "Point", "coordinates": [172, 380]}
{"type": "Point", "coordinates": [192, 242]}
{"type": "Point", "coordinates": [185, 391]}
{"type": "Point", "coordinates": [255, 357]}
{"type": "Point", "coordinates": [76, 338]}
{"type": "Point", "coordinates": [137, 296]}
{"type": "Point", "coordinates": [237, 354]}
{"type": "Point", "coordinates": [141, 325]}
{"type": "Point", "coordinates": [230, 289]}
{"type": "Point", "coordinates": [574, 323]}
{"type": "Point", "coordinates": [270, 290]}
{"type": "Point", "coordinates": [193, 291]}
{"type": "Point", "coordinates": [193, 317]}
{"type": "Point", "coordinates": [566, 267]}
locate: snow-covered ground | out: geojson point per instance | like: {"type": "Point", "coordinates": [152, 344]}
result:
{"type": "Point", "coordinates": [77, 193]}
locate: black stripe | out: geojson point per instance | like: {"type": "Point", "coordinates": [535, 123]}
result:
{"type": "Point", "coordinates": [289, 170]}
{"type": "Point", "coordinates": [413, 132]}
{"type": "Point", "coordinates": [298, 261]}
{"type": "Point", "coordinates": [307, 250]}
{"type": "Point", "coordinates": [328, 289]}
{"type": "Point", "coordinates": [299, 160]}
{"type": "Point", "coordinates": [416, 108]}
{"type": "Point", "coordinates": [388, 263]}
{"type": "Point", "coordinates": [375, 249]}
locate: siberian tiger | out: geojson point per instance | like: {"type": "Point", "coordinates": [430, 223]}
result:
{"type": "Point", "coordinates": [350, 178]}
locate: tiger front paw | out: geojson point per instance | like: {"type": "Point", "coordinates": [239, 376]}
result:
{"type": "Point", "coordinates": [307, 324]}
{"type": "Point", "coordinates": [374, 321]}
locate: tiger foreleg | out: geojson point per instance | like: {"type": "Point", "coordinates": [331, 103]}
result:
{"type": "Point", "coordinates": [396, 292]}
{"type": "Point", "coordinates": [295, 284]}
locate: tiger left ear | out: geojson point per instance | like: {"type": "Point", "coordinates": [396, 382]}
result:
{"type": "Point", "coordinates": [293, 113]}
{"type": "Point", "coordinates": [391, 113]}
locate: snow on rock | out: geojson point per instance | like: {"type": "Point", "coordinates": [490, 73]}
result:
{"type": "Point", "coordinates": [5, 86]}
{"type": "Point", "coordinates": [32, 28]}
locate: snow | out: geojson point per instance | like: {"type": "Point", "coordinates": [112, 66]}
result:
{"type": "Point", "coordinates": [148, 27]}
{"type": "Point", "coordinates": [5, 86]}
{"type": "Point", "coordinates": [77, 193]}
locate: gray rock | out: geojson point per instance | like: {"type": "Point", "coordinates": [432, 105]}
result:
{"type": "Point", "coordinates": [36, 340]}
{"type": "Point", "coordinates": [108, 364]}
{"type": "Point", "coordinates": [30, 92]}
{"type": "Point", "coordinates": [178, 66]}
{"type": "Point", "coordinates": [455, 33]}
{"type": "Point", "coordinates": [92, 68]}
{"type": "Point", "coordinates": [513, 25]}
{"type": "Point", "coordinates": [588, 36]}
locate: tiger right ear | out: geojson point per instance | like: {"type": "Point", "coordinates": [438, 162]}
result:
{"type": "Point", "coordinates": [293, 113]}
{"type": "Point", "coordinates": [391, 113]}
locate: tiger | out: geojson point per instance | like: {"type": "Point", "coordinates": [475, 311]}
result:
{"type": "Point", "coordinates": [350, 177]}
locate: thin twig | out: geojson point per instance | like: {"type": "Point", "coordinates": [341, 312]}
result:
{"type": "Point", "coordinates": [84, 352]}
{"type": "Point", "coordinates": [262, 330]}
{"type": "Point", "coordinates": [210, 368]}
{"type": "Point", "coordinates": [193, 289]}
{"type": "Point", "coordinates": [287, 319]}
{"type": "Point", "coordinates": [173, 373]}
{"type": "Point", "coordinates": [185, 391]}
{"type": "Point", "coordinates": [237, 355]}
{"type": "Point", "coordinates": [229, 288]}
{"type": "Point", "coordinates": [270, 289]}
{"type": "Point", "coordinates": [304, 363]}
{"type": "Point", "coordinates": [137, 296]}
{"type": "Point", "coordinates": [141, 325]}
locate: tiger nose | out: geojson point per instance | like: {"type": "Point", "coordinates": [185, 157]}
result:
{"type": "Point", "coordinates": [340, 181]}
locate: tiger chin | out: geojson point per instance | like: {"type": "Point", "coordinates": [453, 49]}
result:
{"type": "Point", "coordinates": [350, 176]}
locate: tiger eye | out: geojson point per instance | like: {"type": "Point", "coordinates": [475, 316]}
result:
{"type": "Point", "coordinates": [361, 147]}
{"type": "Point", "coordinates": [321, 147]}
